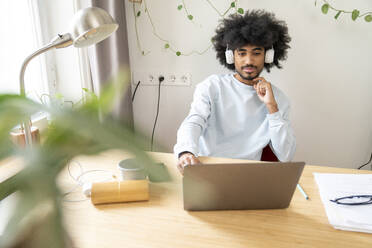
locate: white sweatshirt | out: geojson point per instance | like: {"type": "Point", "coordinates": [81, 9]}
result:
{"type": "Point", "coordinates": [227, 119]}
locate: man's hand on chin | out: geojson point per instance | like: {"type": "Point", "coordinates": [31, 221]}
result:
{"type": "Point", "coordinates": [265, 94]}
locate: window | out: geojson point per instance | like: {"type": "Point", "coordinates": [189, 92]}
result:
{"type": "Point", "coordinates": [19, 25]}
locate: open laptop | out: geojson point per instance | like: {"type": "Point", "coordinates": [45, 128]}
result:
{"type": "Point", "coordinates": [240, 186]}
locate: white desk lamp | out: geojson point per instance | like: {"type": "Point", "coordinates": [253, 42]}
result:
{"type": "Point", "coordinates": [89, 26]}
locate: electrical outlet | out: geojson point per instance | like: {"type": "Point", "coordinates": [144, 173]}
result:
{"type": "Point", "coordinates": [185, 79]}
{"type": "Point", "coordinates": [170, 78]}
{"type": "Point", "coordinates": [177, 79]}
{"type": "Point", "coordinates": [146, 78]}
{"type": "Point", "coordinates": [150, 78]}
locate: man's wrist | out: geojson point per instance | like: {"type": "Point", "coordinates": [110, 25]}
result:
{"type": "Point", "coordinates": [272, 108]}
{"type": "Point", "coordinates": [181, 153]}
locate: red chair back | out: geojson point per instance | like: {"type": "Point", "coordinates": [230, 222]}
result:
{"type": "Point", "coordinates": [268, 155]}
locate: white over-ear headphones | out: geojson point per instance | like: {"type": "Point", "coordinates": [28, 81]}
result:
{"type": "Point", "coordinates": [229, 55]}
{"type": "Point", "coordinates": [269, 56]}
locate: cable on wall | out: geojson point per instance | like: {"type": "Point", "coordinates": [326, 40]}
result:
{"type": "Point", "coordinates": [369, 161]}
{"type": "Point", "coordinates": [161, 79]}
{"type": "Point", "coordinates": [135, 90]}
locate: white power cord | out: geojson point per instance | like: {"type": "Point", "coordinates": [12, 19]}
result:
{"type": "Point", "coordinates": [85, 185]}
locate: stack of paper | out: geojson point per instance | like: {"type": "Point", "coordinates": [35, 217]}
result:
{"type": "Point", "coordinates": [352, 218]}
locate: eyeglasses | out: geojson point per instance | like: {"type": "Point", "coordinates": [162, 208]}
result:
{"type": "Point", "coordinates": [354, 200]}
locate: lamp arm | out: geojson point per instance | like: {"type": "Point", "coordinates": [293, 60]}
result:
{"type": "Point", "coordinates": [59, 41]}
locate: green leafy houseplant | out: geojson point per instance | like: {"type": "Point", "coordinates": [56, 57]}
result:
{"type": "Point", "coordinates": [83, 130]}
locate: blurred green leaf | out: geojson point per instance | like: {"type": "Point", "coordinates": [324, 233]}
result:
{"type": "Point", "coordinates": [58, 96]}
{"type": "Point", "coordinates": [178, 53]}
{"type": "Point", "coordinates": [325, 8]}
{"type": "Point", "coordinates": [115, 88]}
{"type": "Point", "coordinates": [166, 45]}
{"type": "Point", "coordinates": [138, 13]}
{"type": "Point", "coordinates": [241, 11]}
{"type": "Point", "coordinates": [368, 18]}
{"type": "Point", "coordinates": [90, 94]}
{"type": "Point", "coordinates": [190, 17]}
{"type": "Point", "coordinates": [179, 7]}
{"type": "Point", "coordinates": [14, 109]}
{"type": "Point", "coordinates": [338, 14]}
{"type": "Point", "coordinates": [38, 222]}
{"type": "Point", "coordinates": [232, 5]}
{"type": "Point", "coordinates": [72, 132]}
{"type": "Point", "coordinates": [354, 14]}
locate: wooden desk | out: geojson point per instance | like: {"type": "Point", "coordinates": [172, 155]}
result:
{"type": "Point", "coordinates": [162, 222]}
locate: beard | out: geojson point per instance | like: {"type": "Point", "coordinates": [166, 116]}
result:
{"type": "Point", "coordinates": [249, 77]}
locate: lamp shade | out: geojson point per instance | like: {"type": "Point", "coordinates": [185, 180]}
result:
{"type": "Point", "coordinates": [90, 26]}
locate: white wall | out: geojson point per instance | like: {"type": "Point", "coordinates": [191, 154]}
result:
{"type": "Point", "coordinates": [327, 75]}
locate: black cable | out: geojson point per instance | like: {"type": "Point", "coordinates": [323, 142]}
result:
{"type": "Point", "coordinates": [369, 161]}
{"type": "Point", "coordinates": [161, 79]}
{"type": "Point", "coordinates": [135, 90]}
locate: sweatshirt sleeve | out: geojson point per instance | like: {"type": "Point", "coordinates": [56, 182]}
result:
{"type": "Point", "coordinates": [192, 127]}
{"type": "Point", "coordinates": [283, 141]}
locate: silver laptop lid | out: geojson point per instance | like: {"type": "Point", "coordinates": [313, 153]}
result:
{"type": "Point", "coordinates": [240, 186]}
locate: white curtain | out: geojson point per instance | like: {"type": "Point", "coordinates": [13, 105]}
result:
{"type": "Point", "coordinates": [19, 25]}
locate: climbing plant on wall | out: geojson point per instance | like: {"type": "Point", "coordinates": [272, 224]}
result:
{"type": "Point", "coordinates": [231, 7]}
{"type": "Point", "coordinates": [354, 14]}
{"type": "Point", "coordinates": [138, 10]}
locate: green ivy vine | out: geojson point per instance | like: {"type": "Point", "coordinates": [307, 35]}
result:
{"type": "Point", "coordinates": [233, 8]}
{"type": "Point", "coordinates": [181, 7]}
{"type": "Point", "coordinates": [354, 14]}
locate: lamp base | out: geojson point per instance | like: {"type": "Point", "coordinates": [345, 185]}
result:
{"type": "Point", "coordinates": [18, 136]}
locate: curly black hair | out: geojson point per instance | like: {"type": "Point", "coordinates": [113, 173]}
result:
{"type": "Point", "coordinates": [255, 27]}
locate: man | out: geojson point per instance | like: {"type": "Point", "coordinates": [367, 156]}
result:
{"type": "Point", "coordinates": [237, 115]}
